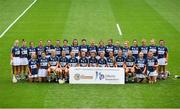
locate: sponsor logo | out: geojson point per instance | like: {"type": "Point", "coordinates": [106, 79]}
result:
{"type": "Point", "coordinates": [78, 76]}
{"type": "Point", "coordinates": [101, 76]}
{"type": "Point", "coordinates": [111, 77]}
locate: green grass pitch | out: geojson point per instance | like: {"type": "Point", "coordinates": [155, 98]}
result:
{"type": "Point", "coordinates": [90, 19]}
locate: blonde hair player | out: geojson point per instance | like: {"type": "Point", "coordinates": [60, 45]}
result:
{"type": "Point", "coordinates": [15, 61]}
{"type": "Point", "coordinates": [64, 71]}
{"type": "Point", "coordinates": [130, 66]}
{"type": "Point", "coordinates": [140, 67]}
{"type": "Point", "coordinates": [53, 72]}
{"type": "Point", "coordinates": [152, 65]}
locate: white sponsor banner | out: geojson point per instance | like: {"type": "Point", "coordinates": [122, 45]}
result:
{"type": "Point", "coordinates": [96, 75]}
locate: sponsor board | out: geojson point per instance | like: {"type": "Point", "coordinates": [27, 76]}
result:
{"type": "Point", "coordinates": [96, 75]}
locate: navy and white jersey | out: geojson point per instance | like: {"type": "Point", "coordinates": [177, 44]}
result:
{"type": "Point", "coordinates": [31, 50]}
{"type": "Point", "coordinates": [67, 49]}
{"type": "Point", "coordinates": [110, 62]}
{"type": "Point", "coordinates": [150, 64]}
{"type": "Point", "coordinates": [16, 51]}
{"type": "Point", "coordinates": [53, 61]}
{"type": "Point", "coordinates": [63, 61]}
{"type": "Point", "coordinates": [43, 63]}
{"type": "Point", "coordinates": [33, 64]}
{"type": "Point", "coordinates": [83, 62]}
{"type": "Point", "coordinates": [108, 49]}
{"type": "Point", "coordinates": [102, 62]}
{"type": "Point", "coordinates": [116, 50]}
{"type": "Point", "coordinates": [39, 51]}
{"type": "Point", "coordinates": [73, 61]}
{"type": "Point", "coordinates": [75, 49]}
{"type": "Point", "coordinates": [144, 50]}
{"type": "Point", "coordinates": [130, 61]}
{"type": "Point", "coordinates": [93, 49]}
{"type": "Point", "coordinates": [58, 50]}
{"type": "Point", "coordinates": [84, 48]}
{"type": "Point", "coordinates": [141, 63]}
{"type": "Point", "coordinates": [48, 49]}
{"type": "Point", "coordinates": [92, 62]}
{"type": "Point", "coordinates": [135, 51]}
{"type": "Point", "coordinates": [125, 51]}
{"type": "Point", "coordinates": [24, 52]}
{"type": "Point", "coordinates": [120, 61]}
{"type": "Point", "coordinates": [162, 51]}
{"type": "Point", "coordinates": [153, 49]}
{"type": "Point", "coordinates": [101, 49]}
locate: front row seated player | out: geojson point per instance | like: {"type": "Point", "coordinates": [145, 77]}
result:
{"type": "Point", "coordinates": [93, 60]}
{"type": "Point", "coordinates": [130, 66]}
{"type": "Point", "coordinates": [83, 61]}
{"type": "Point", "coordinates": [53, 71]}
{"type": "Point", "coordinates": [140, 68]}
{"type": "Point", "coordinates": [119, 60]}
{"type": "Point", "coordinates": [43, 67]}
{"type": "Point", "coordinates": [111, 60]}
{"type": "Point", "coordinates": [152, 65]}
{"type": "Point", "coordinates": [33, 68]}
{"type": "Point", "coordinates": [73, 61]}
{"type": "Point", "coordinates": [64, 71]}
{"type": "Point", "coordinates": [102, 62]}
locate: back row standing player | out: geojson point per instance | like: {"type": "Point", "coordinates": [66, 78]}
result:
{"type": "Point", "coordinates": [162, 57]}
{"type": "Point", "coordinates": [15, 60]}
{"type": "Point", "coordinates": [23, 60]}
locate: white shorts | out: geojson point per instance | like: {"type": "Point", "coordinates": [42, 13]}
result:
{"type": "Point", "coordinates": [33, 76]}
{"type": "Point", "coordinates": [152, 73]}
{"type": "Point", "coordinates": [162, 61]}
{"type": "Point", "coordinates": [140, 76]}
{"type": "Point", "coordinates": [42, 73]}
{"type": "Point", "coordinates": [24, 61]}
{"type": "Point", "coordinates": [16, 61]}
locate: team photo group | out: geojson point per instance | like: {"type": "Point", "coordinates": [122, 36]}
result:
{"type": "Point", "coordinates": [47, 62]}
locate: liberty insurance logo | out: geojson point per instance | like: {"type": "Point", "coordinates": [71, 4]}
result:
{"type": "Point", "coordinates": [99, 75]}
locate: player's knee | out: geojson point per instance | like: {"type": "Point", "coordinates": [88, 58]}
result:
{"type": "Point", "coordinates": [66, 70]}
{"type": "Point", "coordinates": [57, 70]}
